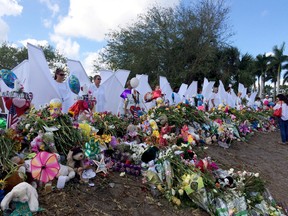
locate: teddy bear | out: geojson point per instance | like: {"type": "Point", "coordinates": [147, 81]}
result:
{"type": "Point", "coordinates": [76, 160]}
{"type": "Point", "coordinates": [66, 171]}
{"type": "Point", "coordinates": [23, 173]}
{"type": "Point", "coordinates": [22, 192]}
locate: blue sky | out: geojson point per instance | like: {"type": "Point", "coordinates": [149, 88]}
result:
{"type": "Point", "coordinates": [77, 28]}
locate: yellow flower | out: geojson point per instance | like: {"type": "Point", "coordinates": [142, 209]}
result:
{"type": "Point", "coordinates": [2, 184]}
{"type": "Point", "coordinates": [96, 137]}
{"type": "Point", "coordinates": [186, 179]}
{"type": "Point", "coordinates": [17, 146]}
{"type": "Point", "coordinates": [190, 138]}
{"type": "Point", "coordinates": [181, 192]}
{"type": "Point", "coordinates": [106, 138]}
{"type": "Point", "coordinates": [160, 188]}
{"type": "Point", "coordinates": [86, 128]}
{"type": "Point", "coordinates": [156, 133]}
{"type": "Point", "coordinates": [176, 201]}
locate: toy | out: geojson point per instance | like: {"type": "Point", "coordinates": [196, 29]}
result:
{"type": "Point", "coordinates": [55, 107]}
{"type": "Point", "coordinates": [22, 192]}
{"type": "Point", "coordinates": [132, 133]}
{"type": "Point", "coordinates": [37, 143]}
{"type": "Point", "coordinates": [228, 181]}
{"type": "Point", "coordinates": [66, 171]}
{"type": "Point", "coordinates": [18, 87]}
{"type": "Point", "coordinates": [75, 160]}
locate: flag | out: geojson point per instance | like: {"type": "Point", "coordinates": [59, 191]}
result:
{"type": "Point", "coordinates": [12, 116]}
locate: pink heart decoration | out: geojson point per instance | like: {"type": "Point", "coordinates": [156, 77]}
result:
{"type": "Point", "coordinates": [19, 102]}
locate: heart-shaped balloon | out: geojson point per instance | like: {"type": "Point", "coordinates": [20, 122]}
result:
{"type": "Point", "coordinates": [19, 102]}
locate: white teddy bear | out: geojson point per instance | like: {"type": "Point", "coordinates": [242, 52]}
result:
{"type": "Point", "coordinates": [22, 192]}
{"type": "Point", "coordinates": [66, 171]}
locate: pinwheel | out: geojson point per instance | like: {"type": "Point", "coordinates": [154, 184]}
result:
{"type": "Point", "coordinates": [91, 148]}
{"type": "Point", "coordinates": [44, 166]}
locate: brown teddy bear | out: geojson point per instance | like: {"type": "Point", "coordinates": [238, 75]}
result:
{"type": "Point", "coordinates": [75, 159]}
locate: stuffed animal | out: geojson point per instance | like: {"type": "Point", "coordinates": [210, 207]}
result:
{"type": "Point", "coordinates": [37, 142]}
{"type": "Point", "coordinates": [228, 181]}
{"type": "Point", "coordinates": [66, 171]}
{"type": "Point", "coordinates": [132, 133]}
{"type": "Point", "coordinates": [22, 192]}
{"type": "Point", "coordinates": [16, 177]}
{"type": "Point", "coordinates": [18, 87]}
{"type": "Point", "coordinates": [75, 160]}
{"type": "Point", "coordinates": [84, 89]}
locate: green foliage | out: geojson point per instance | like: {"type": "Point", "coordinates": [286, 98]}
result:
{"type": "Point", "coordinates": [180, 43]}
{"type": "Point", "coordinates": [11, 56]}
{"type": "Point", "coordinates": [66, 137]}
{"type": "Point", "coordinates": [7, 152]}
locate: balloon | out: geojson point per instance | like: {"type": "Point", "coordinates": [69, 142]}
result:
{"type": "Point", "coordinates": [148, 97]}
{"type": "Point", "coordinates": [134, 82]}
{"type": "Point", "coordinates": [74, 84]}
{"type": "Point", "coordinates": [8, 77]}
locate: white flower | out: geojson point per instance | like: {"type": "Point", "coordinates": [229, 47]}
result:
{"type": "Point", "coordinates": [173, 192]}
{"type": "Point", "coordinates": [256, 175]}
{"type": "Point", "coordinates": [27, 126]}
{"type": "Point", "coordinates": [122, 174]}
{"type": "Point", "coordinates": [111, 126]}
{"type": "Point", "coordinates": [165, 136]}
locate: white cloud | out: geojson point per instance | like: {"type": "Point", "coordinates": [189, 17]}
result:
{"type": "Point", "coordinates": [7, 8]}
{"type": "Point", "coordinates": [89, 61]}
{"type": "Point", "coordinates": [66, 46]}
{"type": "Point", "coordinates": [47, 23]}
{"type": "Point", "coordinates": [34, 42]}
{"type": "Point", "coordinates": [10, 8]}
{"type": "Point", "coordinates": [4, 28]}
{"type": "Point", "coordinates": [269, 54]}
{"type": "Point", "coordinates": [92, 19]}
{"type": "Point", "coordinates": [52, 7]}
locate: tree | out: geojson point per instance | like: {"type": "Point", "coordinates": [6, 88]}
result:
{"type": "Point", "coordinates": [180, 43]}
{"type": "Point", "coordinates": [11, 56]}
{"type": "Point", "coordinates": [285, 76]}
{"type": "Point", "coordinates": [278, 59]}
{"type": "Point", "coordinates": [261, 68]}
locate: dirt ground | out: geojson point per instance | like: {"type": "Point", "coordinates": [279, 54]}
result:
{"type": "Point", "coordinates": [115, 195]}
{"type": "Point", "coordinates": [262, 154]}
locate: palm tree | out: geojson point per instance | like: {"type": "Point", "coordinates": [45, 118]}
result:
{"type": "Point", "coordinates": [278, 59]}
{"type": "Point", "coordinates": [261, 65]}
{"type": "Point", "coordinates": [285, 77]}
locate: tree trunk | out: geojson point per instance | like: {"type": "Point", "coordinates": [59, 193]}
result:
{"type": "Point", "coordinates": [258, 87]}
{"type": "Point", "coordinates": [274, 92]}
{"type": "Point", "coordinates": [261, 92]}
{"type": "Point", "coordinates": [278, 79]}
